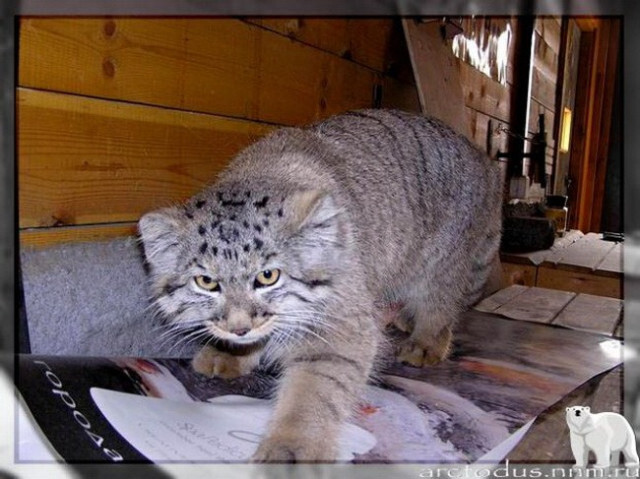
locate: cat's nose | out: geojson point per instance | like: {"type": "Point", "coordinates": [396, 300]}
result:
{"type": "Point", "coordinates": [240, 331]}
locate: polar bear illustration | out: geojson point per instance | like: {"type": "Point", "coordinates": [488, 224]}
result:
{"type": "Point", "coordinates": [606, 434]}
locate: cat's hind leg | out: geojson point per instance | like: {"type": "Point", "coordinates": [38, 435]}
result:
{"type": "Point", "coordinates": [430, 340]}
{"type": "Point", "coordinates": [445, 288]}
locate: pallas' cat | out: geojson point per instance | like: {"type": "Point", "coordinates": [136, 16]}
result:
{"type": "Point", "coordinates": [288, 256]}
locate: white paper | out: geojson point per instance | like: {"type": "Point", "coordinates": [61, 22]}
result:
{"type": "Point", "coordinates": [224, 429]}
{"type": "Point", "coordinates": [502, 450]}
{"type": "Point", "coordinates": [32, 443]}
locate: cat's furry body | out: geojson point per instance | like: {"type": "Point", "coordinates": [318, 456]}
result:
{"type": "Point", "coordinates": [365, 207]}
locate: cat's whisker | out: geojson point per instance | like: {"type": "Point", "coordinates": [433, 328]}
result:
{"type": "Point", "coordinates": [189, 339]}
{"type": "Point", "coordinates": [152, 307]}
{"type": "Point", "coordinates": [294, 329]}
{"type": "Point", "coordinates": [186, 338]}
{"type": "Point", "coordinates": [306, 327]}
{"type": "Point", "coordinates": [319, 313]}
{"type": "Point", "coordinates": [202, 330]}
{"type": "Point", "coordinates": [317, 322]}
{"type": "Point", "coordinates": [316, 318]}
{"type": "Point", "coordinates": [273, 348]}
{"type": "Point", "coordinates": [300, 328]}
{"type": "Point", "coordinates": [174, 336]}
{"type": "Point", "coordinates": [169, 333]}
{"type": "Point", "coordinates": [182, 325]}
{"type": "Point", "coordinates": [178, 329]}
{"type": "Point", "coordinates": [285, 336]}
{"type": "Point", "coordinates": [173, 341]}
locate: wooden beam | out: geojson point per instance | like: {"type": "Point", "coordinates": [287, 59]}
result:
{"type": "Point", "coordinates": [549, 29]}
{"type": "Point", "coordinates": [520, 91]}
{"type": "Point", "coordinates": [589, 155]}
{"type": "Point", "coordinates": [47, 237]}
{"type": "Point", "coordinates": [608, 72]}
{"type": "Point", "coordinates": [564, 98]}
{"type": "Point", "coordinates": [437, 74]}
{"type": "Point", "coordinates": [580, 134]}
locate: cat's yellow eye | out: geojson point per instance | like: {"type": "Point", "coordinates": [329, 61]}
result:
{"type": "Point", "coordinates": [268, 277]}
{"type": "Point", "coordinates": [206, 283]}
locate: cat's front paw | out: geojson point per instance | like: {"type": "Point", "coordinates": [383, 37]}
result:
{"type": "Point", "coordinates": [213, 363]}
{"type": "Point", "coordinates": [294, 450]}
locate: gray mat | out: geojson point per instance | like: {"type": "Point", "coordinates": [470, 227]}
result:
{"type": "Point", "coordinates": [90, 299]}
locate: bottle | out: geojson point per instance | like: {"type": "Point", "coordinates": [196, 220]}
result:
{"type": "Point", "coordinates": [557, 211]}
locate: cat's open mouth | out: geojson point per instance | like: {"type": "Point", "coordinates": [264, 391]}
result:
{"type": "Point", "coordinates": [256, 336]}
{"type": "Point", "coordinates": [240, 349]}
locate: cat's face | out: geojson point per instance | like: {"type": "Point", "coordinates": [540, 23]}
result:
{"type": "Point", "coordinates": [240, 267]}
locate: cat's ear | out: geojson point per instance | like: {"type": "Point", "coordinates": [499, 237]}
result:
{"type": "Point", "coordinates": [310, 208]}
{"type": "Point", "coordinates": [160, 235]}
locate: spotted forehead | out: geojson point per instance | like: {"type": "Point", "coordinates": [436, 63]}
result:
{"type": "Point", "coordinates": [232, 224]}
{"type": "Point", "coordinates": [233, 203]}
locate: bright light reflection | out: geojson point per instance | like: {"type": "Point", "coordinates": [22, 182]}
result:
{"type": "Point", "coordinates": [611, 348]}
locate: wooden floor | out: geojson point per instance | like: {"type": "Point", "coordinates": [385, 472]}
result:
{"type": "Point", "coordinates": [581, 311]}
{"type": "Point", "coordinates": [548, 439]}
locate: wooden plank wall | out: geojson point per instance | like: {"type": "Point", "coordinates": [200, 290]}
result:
{"type": "Point", "coordinates": [117, 116]}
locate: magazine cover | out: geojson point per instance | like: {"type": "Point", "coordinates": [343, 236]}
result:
{"type": "Point", "coordinates": [138, 410]}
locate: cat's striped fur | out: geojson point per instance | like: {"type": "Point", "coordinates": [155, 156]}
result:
{"type": "Point", "coordinates": [368, 206]}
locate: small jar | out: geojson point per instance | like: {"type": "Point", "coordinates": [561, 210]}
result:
{"type": "Point", "coordinates": [557, 211]}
